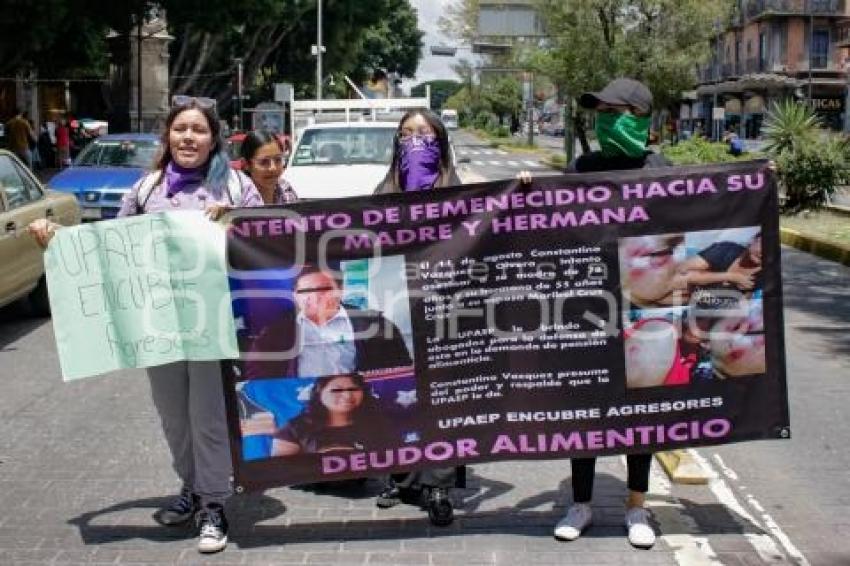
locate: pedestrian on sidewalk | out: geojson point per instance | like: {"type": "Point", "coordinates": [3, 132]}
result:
{"type": "Point", "coordinates": [192, 173]}
{"type": "Point", "coordinates": [422, 162]}
{"type": "Point", "coordinates": [63, 143]}
{"type": "Point", "coordinates": [21, 137]}
{"type": "Point", "coordinates": [623, 109]}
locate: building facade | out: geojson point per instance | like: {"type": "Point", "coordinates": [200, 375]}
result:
{"type": "Point", "coordinates": [773, 50]}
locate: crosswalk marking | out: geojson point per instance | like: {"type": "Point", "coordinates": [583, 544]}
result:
{"type": "Point", "coordinates": [513, 163]}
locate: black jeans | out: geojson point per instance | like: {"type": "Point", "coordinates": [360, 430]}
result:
{"type": "Point", "coordinates": [446, 478]}
{"type": "Point", "coordinates": [584, 470]}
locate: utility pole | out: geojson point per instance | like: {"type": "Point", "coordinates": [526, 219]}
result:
{"type": "Point", "coordinates": [319, 48]}
{"type": "Point", "coordinates": [239, 99]}
{"type": "Point", "coordinates": [811, 44]}
{"type": "Point", "coordinates": [140, 19]}
{"type": "Point", "coordinates": [715, 125]}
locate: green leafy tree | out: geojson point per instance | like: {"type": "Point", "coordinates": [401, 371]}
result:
{"type": "Point", "coordinates": [394, 43]}
{"type": "Point", "coordinates": [441, 91]}
{"type": "Point", "coordinates": [504, 97]}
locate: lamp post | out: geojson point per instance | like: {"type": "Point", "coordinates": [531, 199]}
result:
{"type": "Point", "coordinates": [318, 49]}
{"type": "Point", "coordinates": [715, 126]}
{"type": "Point", "coordinates": [811, 44]}
{"type": "Point", "coordinates": [239, 99]}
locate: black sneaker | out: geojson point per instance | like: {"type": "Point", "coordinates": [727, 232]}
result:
{"type": "Point", "coordinates": [180, 510]}
{"type": "Point", "coordinates": [212, 527]}
{"type": "Point", "coordinates": [389, 497]}
{"type": "Point", "coordinates": [440, 509]}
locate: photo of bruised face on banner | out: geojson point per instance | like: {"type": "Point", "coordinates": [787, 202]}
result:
{"type": "Point", "coordinates": [667, 269]}
{"type": "Point", "coordinates": [714, 338]}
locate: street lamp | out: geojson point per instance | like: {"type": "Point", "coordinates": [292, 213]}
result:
{"type": "Point", "coordinates": [318, 49]}
{"type": "Point", "coordinates": [715, 123]}
{"type": "Point", "coordinates": [239, 99]}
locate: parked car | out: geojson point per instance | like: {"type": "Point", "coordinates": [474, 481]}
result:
{"type": "Point", "coordinates": [22, 200]}
{"type": "Point", "coordinates": [105, 171]}
{"type": "Point", "coordinates": [234, 146]}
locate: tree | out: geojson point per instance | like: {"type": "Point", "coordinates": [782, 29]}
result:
{"type": "Point", "coordinates": [441, 91]}
{"type": "Point", "coordinates": [394, 44]}
{"type": "Point", "coordinates": [503, 95]}
{"type": "Point", "coordinates": [659, 42]}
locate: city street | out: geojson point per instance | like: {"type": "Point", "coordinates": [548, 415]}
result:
{"type": "Point", "coordinates": [83, 466]}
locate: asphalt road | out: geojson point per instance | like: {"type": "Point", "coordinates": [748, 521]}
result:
{"type": "Point", "coordinates": [83, 465]}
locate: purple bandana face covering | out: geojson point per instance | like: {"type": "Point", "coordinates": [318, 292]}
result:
{"type": "Point", "coordinates": [178, 178]}
{"type": "Point", "coordinates": [419, 165]}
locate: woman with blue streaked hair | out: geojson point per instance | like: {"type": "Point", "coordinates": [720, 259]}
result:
{"type": "Point", "coordinates": [192, 172]}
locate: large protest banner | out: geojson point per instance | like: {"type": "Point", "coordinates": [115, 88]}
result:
{"type": "Point", "coordinates": [138, 292]}
{"type": "Point", "coordinates": [580, 315]}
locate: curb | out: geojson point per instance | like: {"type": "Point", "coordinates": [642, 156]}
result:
{"type": "Point", "coordinates": [682, 468]}
{"type": "Point", "coordinates": [815, 246]}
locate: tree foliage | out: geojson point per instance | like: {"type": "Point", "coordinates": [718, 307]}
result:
{"type": "Point", "coordinates": [659, 42]}
{"type": "Point", "coordinates": [441, 91]}
{"type": "Point", "coordinates": [271, 37]}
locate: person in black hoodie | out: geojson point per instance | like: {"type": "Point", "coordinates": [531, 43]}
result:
{"type": "Point", "coordinates": [623, 114]}
{"type": "Point", "coordinates": [422, 161]}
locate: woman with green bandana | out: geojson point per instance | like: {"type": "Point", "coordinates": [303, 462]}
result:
{"type": "Point", "coordinates": [623, 111]}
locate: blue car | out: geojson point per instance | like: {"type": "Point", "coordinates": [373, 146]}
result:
{"type": "Point", "coordinates": [105, 171]}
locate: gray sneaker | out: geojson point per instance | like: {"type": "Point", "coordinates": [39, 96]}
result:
{"type": "Point", "coordinates": [180, 510]}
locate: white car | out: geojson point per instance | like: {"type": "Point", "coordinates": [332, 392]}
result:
{"type": "Point", "coordinates": [339, 159]}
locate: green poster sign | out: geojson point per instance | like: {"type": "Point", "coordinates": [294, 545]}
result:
{"type": "Point", "coordinates": [138, 292]}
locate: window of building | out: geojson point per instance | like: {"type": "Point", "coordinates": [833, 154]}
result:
{"type": "Point", "coordinates": [763, 54]}
{"type": "Point", "coordinates": [820, 49]}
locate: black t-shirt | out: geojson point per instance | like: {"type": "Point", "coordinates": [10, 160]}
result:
{"type": "Point", "coordinates": [597, 161]}
{"type": "Point", "coordinates": [325, 439]}
{"type": "Point", "coordinates": [722, 255]}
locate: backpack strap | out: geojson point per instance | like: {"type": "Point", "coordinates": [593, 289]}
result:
{"type": "Point", "coordinates": [146, 189]}
{"type": "Point", "coordinates": [234, 187]}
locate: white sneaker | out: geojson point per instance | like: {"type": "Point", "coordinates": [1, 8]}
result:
{"type": "Point", "coordinates": [641, 534]}
{"type": "Point", "coordinates": [579, 516]}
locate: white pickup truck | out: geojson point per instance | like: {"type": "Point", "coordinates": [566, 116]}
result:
{"type": "Point", "coordinates": [343, 148]}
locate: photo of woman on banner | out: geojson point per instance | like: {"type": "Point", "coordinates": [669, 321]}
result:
{"type": "Point", "coordinates": [737, 341]}
{"type": "Point", "coordinates": [717, 337]}
{"type": "Point", "coordinates": [323, 336]}
{"type": "Point", "coordinates": [341, 414]}
{"type": "Point", "coordinates": [650, 270]}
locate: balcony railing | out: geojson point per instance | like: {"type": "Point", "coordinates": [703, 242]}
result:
{"type": "Point", "coordinates": [758, 8]}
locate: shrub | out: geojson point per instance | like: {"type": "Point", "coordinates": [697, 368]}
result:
{"type": "Point", "coordinates": [698, 150]}
{"type": "Point", "coordinates": [789, 124]}
{"type": "Point", "coordinates": [809, 173]}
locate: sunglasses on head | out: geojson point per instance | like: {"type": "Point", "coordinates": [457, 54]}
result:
{"type": "Point", "coordinates": [184, 100]}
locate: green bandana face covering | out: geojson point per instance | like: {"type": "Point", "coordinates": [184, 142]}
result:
{"type": "Point", "coordinates": [622, 134]}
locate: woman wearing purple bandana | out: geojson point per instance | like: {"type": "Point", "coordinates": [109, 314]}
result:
{"type": "Point", "coordinates": [422, 157]}
{"type": "Point", "coordinates": [192, 173]}
{"type": "Point", "coordinates": [422, 161]}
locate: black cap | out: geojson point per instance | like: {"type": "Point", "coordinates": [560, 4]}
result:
{"type": "Point", "coordinates": [622, 92]}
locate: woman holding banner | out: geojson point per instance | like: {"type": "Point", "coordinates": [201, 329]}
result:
{"type": "Point", "coordinates": [623, 109]}
{"type": "Point", "coordinates": [192, 173]}
{"type": "Point", "coordinates": [422, 161]}
{"type": "Point", "coordinates": [263, 160]}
